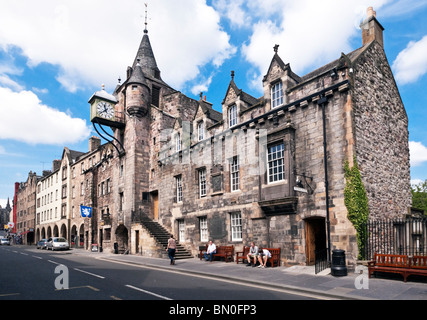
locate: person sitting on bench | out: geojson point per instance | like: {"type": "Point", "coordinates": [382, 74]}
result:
{"type": "Point", "coordinates": [211, 251]}
{"type": "Point", "coordinates": [253, 253]}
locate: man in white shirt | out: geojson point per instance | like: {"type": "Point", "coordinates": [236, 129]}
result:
{"type": "Point", "coordinates": [253, 254]}
{"type": "Point", "coordinates": [211, 251]}
{"type": "Point", "coordinates": [264, 254]}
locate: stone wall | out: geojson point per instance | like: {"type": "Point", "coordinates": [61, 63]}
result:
{"type": "Point", "coordinates": [381, 135]}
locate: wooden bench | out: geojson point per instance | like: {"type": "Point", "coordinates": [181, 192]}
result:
{"type": "Point", "coordinates": [274, 260]}
{"type": "Point", "coordinates": [226, 252]}
{"type": "Point", "coordinates": [398, 263]}
{"type": "Point", "coordinates": [242, 255]}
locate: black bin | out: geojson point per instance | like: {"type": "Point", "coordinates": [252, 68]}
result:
{"type": "Point", "coordinates": [116, 248]}
{"type": "Point", "coordinates": [338, 267]}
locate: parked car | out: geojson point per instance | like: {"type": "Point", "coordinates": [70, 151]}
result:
{"type": "Point", "coordinates": [4, 241]}
{"type": "Point", "coordinates": [57, 243]}
{"type": "Point", "coordinates": [42, 244]}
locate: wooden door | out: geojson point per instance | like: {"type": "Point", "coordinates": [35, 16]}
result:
{"type": "Point", "coordinates": [310, 246]}
{"type": "Point", "coordinates": [156, 205]}
{"type": "Point", "coordinates": [315, 238]}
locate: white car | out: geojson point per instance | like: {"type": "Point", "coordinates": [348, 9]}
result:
{"type": "Point", "coordinates": [5, 241]}
{"type": "Point", "coordinates": [57, 243]}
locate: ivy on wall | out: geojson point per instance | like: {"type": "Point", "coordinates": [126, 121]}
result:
{"type": "Point", "coordinates": [356, 201]}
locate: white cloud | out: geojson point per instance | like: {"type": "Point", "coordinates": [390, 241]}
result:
{"type": "Point", "coordinates": [411, 62]}
{"type": "Point", "coordinates": [418, 153]}
{"type": "Point", "coordinates": [26, 119]}
{"type": "Point", "coordinates": [94, 41]}
{"type": "Point", "coordinates": [310, 33]}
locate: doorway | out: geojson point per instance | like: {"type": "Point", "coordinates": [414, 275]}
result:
{"type": "Point", "coordinates": [155, 197]}
{"type": "Point", "coordinates": [136, 241]}
{"type": "Point", "coordinates": [315, 238]}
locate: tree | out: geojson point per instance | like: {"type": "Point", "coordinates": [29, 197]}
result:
{"type": "Point", "coordinates": [419, 196]}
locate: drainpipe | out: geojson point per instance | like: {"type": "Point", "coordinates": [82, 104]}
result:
{"type": "Point", "coordinates": [323, 102]}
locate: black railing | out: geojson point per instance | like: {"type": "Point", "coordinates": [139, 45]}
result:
{"type": "Point", "coordinates": [320, 260]}
{"type": "Point", "coordinates": [399, 236]}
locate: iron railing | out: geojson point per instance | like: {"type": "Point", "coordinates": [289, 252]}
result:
{"type": "Point", "coordinates": [320, 260]}
{"type": "Point", "coordinates": [398, 236]}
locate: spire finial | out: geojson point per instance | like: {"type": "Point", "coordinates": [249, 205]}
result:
{"type": "Point", "coordinates": [276, 48]}
{"type": "Point", "coordinates": [232, 75]}
{"type": "Point", "coordinates": [146, 23]}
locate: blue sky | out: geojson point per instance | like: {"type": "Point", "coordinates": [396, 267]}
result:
{"type": "Point", "coordinates": [54, 54]}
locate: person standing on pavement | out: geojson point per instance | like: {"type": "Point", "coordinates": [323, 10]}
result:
{"type": "Point", "coordinates": [171, 248]}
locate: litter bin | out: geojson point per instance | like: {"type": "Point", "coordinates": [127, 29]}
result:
{"type": "Point", "coordinates": [94, 247]}
{"type": "Point", "coordinates": [338, 267]}
{"type": "Point", "coordinates": [116, 248]}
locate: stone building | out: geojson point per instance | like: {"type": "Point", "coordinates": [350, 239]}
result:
{"type": "Point", "coordinates": [5, 215]}
{"type": "Point", "coordinates": [260, 170]}
{"type": "Point", "coordinates": [48, 206]}
{"type": "Point", "coordinates": [25, 208]}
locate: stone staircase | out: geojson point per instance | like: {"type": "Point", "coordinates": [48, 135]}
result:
{"type": "Point", "coordinates": [161, 235]}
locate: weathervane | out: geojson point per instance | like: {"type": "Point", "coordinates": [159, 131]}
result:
{"type": "Point", "coordinates": [146, 23]}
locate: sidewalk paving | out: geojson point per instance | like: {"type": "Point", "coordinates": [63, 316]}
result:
{"type": "Point", "coordinates": [299, 279]}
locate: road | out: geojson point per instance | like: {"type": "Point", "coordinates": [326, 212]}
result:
{"type": "Point", "coordinates": [31, 274]}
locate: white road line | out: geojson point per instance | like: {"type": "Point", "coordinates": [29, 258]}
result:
{"type": "Point", "coordinates": [92, 274]}
{"type": "Point", "coordinates": [148, 292]}
{"type": "Point", "coordinates": [54, 262]}
{"type": "Point", "coordinates": [38, 257]}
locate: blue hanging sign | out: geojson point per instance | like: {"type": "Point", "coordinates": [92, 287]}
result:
{"type": "Point", "coordinates": [86, 211]}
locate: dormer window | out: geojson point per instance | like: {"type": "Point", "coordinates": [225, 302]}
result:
{"type": "Point", "coordinates": [200, 131]}
{"type": "Point", "coordinates": [276, 95]}
{"type": "Point", "coordinates": [232, 115]}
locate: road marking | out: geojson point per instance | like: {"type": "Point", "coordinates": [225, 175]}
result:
{"type": "Point", "coordinates": [148, 292]}
{"type": "Point", "coordinates": [24, 254]}
{"type": "Point", "coordinates": [54, 262]}
{"type": "Point", "coordinates": [115, 298]}
{"type": "Point", "coordinates": [92, 274]}
{"type": "Point", "coordinates": [38, 257]}
{"type": "Point", "coordinates": [90, 287]}
{"type": "Point", "coordinates": [9, 294]}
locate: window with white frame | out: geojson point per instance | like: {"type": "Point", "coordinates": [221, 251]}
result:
{"type": "Point", "coordinates": [236, 226]}
{"type": "Point", "coordinates": [276, 162]}
{"type": "Point", "coordinates": [178, 184]}
{"type": "Point", "coordinates": [276, 95]}
{"type": "Point", "coordinates": [178, 142]}
{"type": "Point", "coordinates": [203, 222]}
{"type": "Point", "coordinates": [200, 131]}
{"type": "Point", "coordinates": [202, 182]}
{"type": "Point", "coordinates": [181, 230]}
{"type": "Point", "coordinates": [232, 115]}
{"type": "Point", "coordinates": [234, 174]}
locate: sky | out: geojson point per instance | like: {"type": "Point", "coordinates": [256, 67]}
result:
{"type": "Point", "coordinates": [54, 54]}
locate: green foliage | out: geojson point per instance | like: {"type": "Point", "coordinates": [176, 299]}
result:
{"type": "Point", "coordinates": [356, 201]}
{"type": "Point", "coordinates": [419, 196]}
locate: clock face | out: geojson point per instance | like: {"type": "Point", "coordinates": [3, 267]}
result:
{"type": "Point", "coordinates": [105, 110]}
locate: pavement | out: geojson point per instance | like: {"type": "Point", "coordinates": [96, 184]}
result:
{"type": "Point", "coordinates": [300, 280]}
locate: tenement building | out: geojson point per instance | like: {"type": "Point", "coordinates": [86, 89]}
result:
{"type": "Point", "coordinates": [268, 169]}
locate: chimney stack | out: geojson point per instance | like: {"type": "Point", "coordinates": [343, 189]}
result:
{"type": "Point", "coordinates": [371, 28]}
{"type": "Point", "coordinates": [94, 143]}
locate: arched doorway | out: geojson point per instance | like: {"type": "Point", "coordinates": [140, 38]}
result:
{"type": "Point", "coordinates": [122, 237]}
{"type": "Point", "coordinates": [315, 238]}
{"type": "Point", "coordinates": [82, 235]}
{"type": "Point", "coordinates": [74, 237]}
{"type": "Point", "coordinates": [63, 231]}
